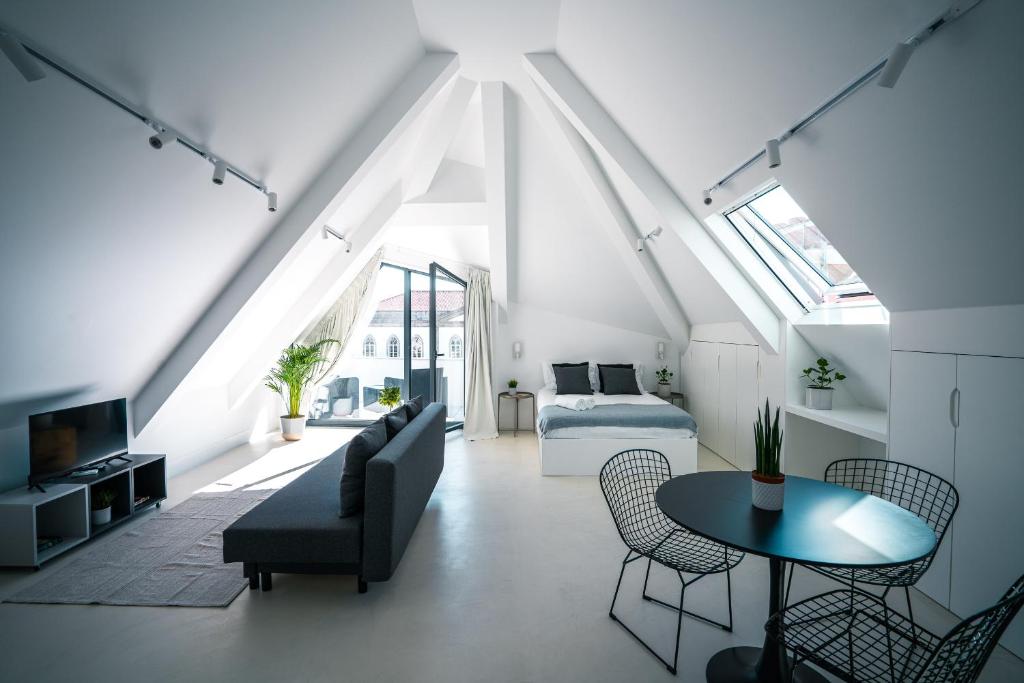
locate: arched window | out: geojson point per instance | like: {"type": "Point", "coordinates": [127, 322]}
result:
{"type": "Point", "coordinates": [369, 346]}
{"type": "Point", "coordinates": [417, 346]}
{"type": "Point", "coordinates": [455, 347]}
{"type": "Point", "coordinates": [394, 347]}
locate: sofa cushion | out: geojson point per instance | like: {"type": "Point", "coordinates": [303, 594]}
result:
{"type": "Point", "coordinates": [395, 421]}
{"type": "Point", "coordinates": [415, 407]}
{"type": "Point", "coordinates": [299, 523]}
{"type": "Point", "coordinates": [360, 449]}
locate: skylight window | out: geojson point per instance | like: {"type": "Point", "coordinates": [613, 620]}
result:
{"type": "Point", "coordinates": [796, 252]}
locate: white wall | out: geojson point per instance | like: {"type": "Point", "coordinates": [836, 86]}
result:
{"type": "Point", "coordinates": [916, 186]}
{"type": "Point", "coordinates": [111, 250]}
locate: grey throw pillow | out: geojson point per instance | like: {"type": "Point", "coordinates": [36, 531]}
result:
{"type": "Point", "coordinates": [619, 380]}
{"type": "Point", "coordinates": [361, 448]}
{"type": "Point", "coordinates": [415, 407]}
{"type": "Point", "coordinates": [600, 372]}
{"type": "Point", "coordinates": [572, 379]}
{"type": "Point", "coordinates": [395, 421]}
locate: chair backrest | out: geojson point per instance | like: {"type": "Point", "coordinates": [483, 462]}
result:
{"type": "Point", "coordinates": [962, 653]}
{"type": "Point", "coordinates": [629, 481]}
{"type": "Point", "coordinates": [927, 495]}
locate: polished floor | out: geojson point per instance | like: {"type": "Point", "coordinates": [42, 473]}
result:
{"type": "Point", "coordinates": [508, 578]}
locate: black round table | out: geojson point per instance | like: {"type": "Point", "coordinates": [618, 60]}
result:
{"type": "Point", "coordinates": [820, 524]}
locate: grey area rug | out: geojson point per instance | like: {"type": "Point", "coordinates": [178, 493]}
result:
{"type": "Point", "coordinates": [171, 559]}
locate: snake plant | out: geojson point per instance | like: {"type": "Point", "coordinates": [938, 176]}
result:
{"type": "Point", "coordinates": [767, 443]}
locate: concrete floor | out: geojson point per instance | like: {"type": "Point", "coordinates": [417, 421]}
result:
{"type": "Point", "coordinates": [508, 578]}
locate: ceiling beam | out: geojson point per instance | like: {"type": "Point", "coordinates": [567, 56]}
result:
{"type": "Point", "coordinates": [437, 136]}
{"type": "Point", "coordinates": [299, 224]}
{"type": "Point", "coordinates": [498, 174]}
{"type": "Point", "coordinates": [603, 134]}
{"type": "Point", "coordinates": [598, 192]}
{"type": "Point", "coordinates": [325, 289]}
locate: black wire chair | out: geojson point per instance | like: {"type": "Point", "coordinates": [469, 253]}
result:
{"type": "Point", "coordinates": [857, 637]}
{"type": "Point", "coordinates": [629, 481]}
{"type": "Point", "coordinates": [927, 495]}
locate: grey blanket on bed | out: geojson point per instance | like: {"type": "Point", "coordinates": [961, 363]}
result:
{"type": "Point", "coordinates": [617, 415]}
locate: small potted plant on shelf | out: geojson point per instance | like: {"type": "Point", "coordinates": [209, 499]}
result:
{"type": "Point", "coordinates": [389, 397]}
{"type": "Point", "coordinates": [102, 500]}
{"type": "Point", "coordinates": [664, 383]}
{"type": "Point", "coordinates": [513, 385]}
{"type": "Point", "coordinates": [819, 392]}
{"type": "Point", "coordinates": [768, 484]}
{"type": "Point", "coordinates": [291, 378]}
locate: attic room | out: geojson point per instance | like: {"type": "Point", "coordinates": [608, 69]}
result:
{"type": "Point", "coordinates": [545, 340]}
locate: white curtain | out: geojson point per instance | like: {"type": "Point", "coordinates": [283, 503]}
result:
{"type": "Point", "coordinates": [340, 319]}
{"type": "Point", "coordinates": [480, 422]}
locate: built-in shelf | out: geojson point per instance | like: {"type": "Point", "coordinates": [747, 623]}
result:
{"type": "Point", "coordinates": [867, 422]}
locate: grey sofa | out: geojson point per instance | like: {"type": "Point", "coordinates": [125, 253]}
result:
{"type": "Point", "coordinates": [297, 530]}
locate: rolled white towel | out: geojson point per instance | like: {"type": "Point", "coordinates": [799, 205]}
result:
{"type": "Point", "coordinates": [575, 401]}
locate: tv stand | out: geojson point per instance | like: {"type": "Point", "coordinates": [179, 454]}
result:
{"type": "Point", "coordinates": [36, 526]}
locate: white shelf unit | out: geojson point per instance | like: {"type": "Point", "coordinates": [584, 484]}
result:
{"type": "Point", "coordinates": [26, 516]}
{"type": "Point", "coordinates": [869, 423]}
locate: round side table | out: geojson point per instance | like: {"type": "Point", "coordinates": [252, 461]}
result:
{"type": "Point", "coordinates": [517, 397]}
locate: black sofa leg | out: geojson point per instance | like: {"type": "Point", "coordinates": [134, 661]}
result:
{"type": "Point", "coordinates": [363, 586]}
{"type": "Point", "coordinates": [249, 571]}
{"type": "Point", "coordinates": [265, 581]}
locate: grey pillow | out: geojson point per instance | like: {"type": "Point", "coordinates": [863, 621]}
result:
{"type": "Point", "coordinates": [600, 372]}
{"type": "Point", "coordinates": [361, 448]}
{"type": "Point", "coordinates": [395, 421]}
{"type": "Point", "coordinates": [415, 407]}
{"type": "Point", "coordinates": [619, 380]}
{"type": "Point", "coordinates": [572, 379]}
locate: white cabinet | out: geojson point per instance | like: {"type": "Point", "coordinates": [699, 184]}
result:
{"type": "Point", "coordinates": [988, 532]}
{"type": "Point", "coordinates": [724, 389]}
{"type": "Point", "coordinates": [921, 433]}
{"type": "Point", "coordinates": [960, 417]}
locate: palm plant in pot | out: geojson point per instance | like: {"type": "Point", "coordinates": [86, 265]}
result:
{"type": "Point", "coordinates": [664, 383]}
{"type": "Point", "coordinates": [819, 392]}
{"type": "Point", "coordinates": [291, 378]}
{"type": "Point", "coordinates": [767, 481]}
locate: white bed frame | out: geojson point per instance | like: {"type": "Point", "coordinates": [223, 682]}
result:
{"type": "Point", "coordinates": [561, 457]}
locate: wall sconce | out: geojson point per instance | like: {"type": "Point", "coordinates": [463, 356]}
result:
{"type": "Point", "coordinates": [661, 350]}
{"type": "Point", "coordinates": [517, 349]}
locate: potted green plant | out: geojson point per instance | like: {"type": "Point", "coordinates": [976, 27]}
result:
{"type": "Point", "coordinates": [513, 385]}
{"type": "Point", "coordinates": [664, 383]}
{"type": "Point", "coordinates": [102, 499]}
{"type": "Point", "coordinates": [291, 378]}
{"type": "Point", "coordinates": [389, 397]}
{"type": "Point", "coordinates": [819, 392]}
{"type": "Point", "coordinates": [768, 484]}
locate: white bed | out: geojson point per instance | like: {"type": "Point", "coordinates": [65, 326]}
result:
{"type": "Point", "coordinates": [584, 450]}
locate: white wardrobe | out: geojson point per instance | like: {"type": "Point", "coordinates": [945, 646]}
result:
{"type": "Point", "coordinates": [962, 417]}
{"type": "Point", "coordinates": [723, 386]}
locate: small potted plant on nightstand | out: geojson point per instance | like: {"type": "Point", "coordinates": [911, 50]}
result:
{"type": "Point", "coordinates": [512, 386]}
{"type": "Point", "coordinates": [291, 377]}
{"type": "Point", "coordinates": [664, 383]}
{"type": "Point", "coordinates": [768, 484]}
{"type": "Point", "coordinates": [102, 500]}
{"type": "Point", "coordinates": [819, 392]}
{"type": "Point", "coordinates": [390, 397]}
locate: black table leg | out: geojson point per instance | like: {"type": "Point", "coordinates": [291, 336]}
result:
{"type": "Point", "coordinates": [765, 664]}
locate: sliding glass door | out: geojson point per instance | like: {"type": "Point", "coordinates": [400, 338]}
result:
{"type": "Point", "coordinates": [411, 335]}
{"type": "Point", "coordinates": [447, 317]}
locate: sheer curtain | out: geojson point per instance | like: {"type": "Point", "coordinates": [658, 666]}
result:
{"type": "Point", "coordinates": [479, 422]}
{"type": "Point", "coordinates": [339, 320]}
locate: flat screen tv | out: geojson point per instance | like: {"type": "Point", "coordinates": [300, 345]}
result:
{"type": "Point", "coordinates": [69, 439]}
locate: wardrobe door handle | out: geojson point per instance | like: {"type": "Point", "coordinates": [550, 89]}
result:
{"type": "Point", "coordinates": [954, 408]}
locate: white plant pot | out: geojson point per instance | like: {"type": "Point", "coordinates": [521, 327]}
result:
{"type": "Point", "coordinates": [767, 493]}
{"type": "Point", "coordinates": [819, 399]}
{"type": "Point", "coordinates": [664, 390]}
{"type": "Point", "coordinates": [292, 427]}
{"type": "Point", "coordinates": [512, 391]}
{"type": "Point", "coordinates": [101, 517]}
